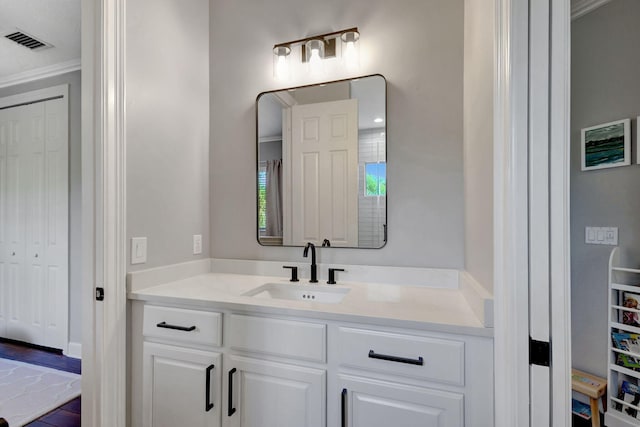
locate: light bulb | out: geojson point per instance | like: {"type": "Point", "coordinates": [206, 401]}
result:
{"type": "Point", "coordinates": [351, 49]}
{"type": "Point", "coordinates": [281, 62]}
{"type": "Point", "coordinates": [282, 68]}
{"type": "Point", "coordinates": [315, 62]}
{"type": "Point", "coordinates": [351, 56]}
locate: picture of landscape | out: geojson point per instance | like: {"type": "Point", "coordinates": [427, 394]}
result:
{"type": "Point", "coordinates": [606, 145]}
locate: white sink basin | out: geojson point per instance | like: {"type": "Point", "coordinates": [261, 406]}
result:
{"type": "Point", "coordinates": [286, 291]}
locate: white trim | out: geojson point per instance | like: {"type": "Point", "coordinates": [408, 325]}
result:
{"type": "Point", "coordinates": [559, 192]}
{"type": "Point", "coordinates": [91, 16]}
{"type": "Point", "coordinates": [36, 95]}
{"type": "Point", "coordinates": [104, 385]}
{"type": "Point", "coordinates": [511, 351]}
{"type": "Point", "coordinates": [478, 298]}
{"type": "Point", "coordinates": [582, 7]}
{"type": "Point", "coordinates": [41, 73]}
{"type": "Point", "coordinates": [74, 350]}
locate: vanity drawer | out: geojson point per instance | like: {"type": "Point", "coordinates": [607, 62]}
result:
{"type": "Point", "coordinates": [413, 356]}
{"type": "Point", "coordinates": [188, 326]}
{"type": "Point", "coordinates": [278, 337]}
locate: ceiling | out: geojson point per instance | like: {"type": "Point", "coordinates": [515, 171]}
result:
{"type": "Point", "coordinates": [56, 22]}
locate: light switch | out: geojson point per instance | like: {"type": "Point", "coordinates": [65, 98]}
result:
{"type": "Point", "coordinates": [138, 250]}
{"type": "Point", "coordinates": [197, 244]}
{"type": "Point", "coordinates": [601, 235]}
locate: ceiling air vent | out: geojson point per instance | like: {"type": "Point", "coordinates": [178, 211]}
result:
{"type": "Point", "coordinates": [27, 41]}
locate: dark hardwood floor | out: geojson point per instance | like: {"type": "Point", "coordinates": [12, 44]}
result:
{"type": "Point", "coordinates": [67, 415]}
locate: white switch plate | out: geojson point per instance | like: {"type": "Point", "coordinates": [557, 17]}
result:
{"type": "Point", "coordinates": [601, 235]}
{"type": "Point", "coordinates": [197, 244]}
{"type": "Point", "coordinates": [138, 250]}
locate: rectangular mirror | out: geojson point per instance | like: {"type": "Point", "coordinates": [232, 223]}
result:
{"type": "Point", "coordinates": [321, 172]}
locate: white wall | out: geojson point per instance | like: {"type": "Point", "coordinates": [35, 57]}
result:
{"type": "Point", "coordinates": [418, 47]}
{"type": "Point", "coordinates": [604, 87]}
{"type": "Point", "coordinates": [167, 129]}
{"type": "Point", "coordinates": [478, 139]}
{"type": "Point", "coordinates": [75, 190]}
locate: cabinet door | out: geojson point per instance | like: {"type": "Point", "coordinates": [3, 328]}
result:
{"type": "Point", "coordinates": [268, 394]}
{"type": "Point", "coordinates": [181, 387]}
{"type": "Point", "coordinates": [373, 403]}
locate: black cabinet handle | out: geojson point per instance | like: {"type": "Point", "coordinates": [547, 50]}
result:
{"type": "Point", "coordinates": [208, 403]}
{"type": "Point", "coordinates": [178, 328]}
{"type": "Point", "coordinates": [231, 410]}
{"type": "Point", "coordinates": [419, 361]}
{"type": "Point", "coordinates": [343, 408]}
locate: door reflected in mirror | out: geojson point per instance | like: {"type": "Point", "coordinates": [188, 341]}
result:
{"type": "Point", "coordinates": [321, 172]}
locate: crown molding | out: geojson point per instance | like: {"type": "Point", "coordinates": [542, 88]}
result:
{"type": "Point", "coordinates": [582, 7]}
{"type": "Point", "coordinates": [41, 73]}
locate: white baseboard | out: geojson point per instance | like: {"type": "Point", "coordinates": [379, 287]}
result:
{"type": "Point", "coordinates": [478, 298]}
{"type": "Point", "coordinates": [75, 350]}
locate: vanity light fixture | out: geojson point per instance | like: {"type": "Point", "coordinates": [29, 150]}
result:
{"type": "Point", "coordinates": [314, 50]}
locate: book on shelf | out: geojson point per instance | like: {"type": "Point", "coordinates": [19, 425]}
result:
{"type": "Point", "coordinates": [631, 300]}
{"type": "Point", "coordinates": [629, 393]}
{"type": "Point", "coordinates": [581, 409]}
{"type": "Point", "coordinates": [627, 342]}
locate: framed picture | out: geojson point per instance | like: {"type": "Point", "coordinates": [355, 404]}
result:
{"type": "Point", "coordinates": [607, 145]}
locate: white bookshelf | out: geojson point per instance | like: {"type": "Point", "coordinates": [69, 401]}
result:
{"type": "Point", "coordinates": [621, 411]}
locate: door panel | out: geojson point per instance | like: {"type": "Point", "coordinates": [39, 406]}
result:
{"type": "Point", "coordinates": [373, 403]}
{"type": "Point", "coordinates": [324, 165]}
{"type": "Point", "coordinates": [270, 394]}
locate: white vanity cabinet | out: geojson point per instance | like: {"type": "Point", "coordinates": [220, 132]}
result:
{"type": "Point", "coordinates": [287, 392]}
{"type": "Point", "coordinates": [181, 380]}
{"type": "Point", "coordinates": [301, 370]}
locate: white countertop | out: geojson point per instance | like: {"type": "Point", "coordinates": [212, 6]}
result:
{"type": "Point", "coordinates": [440, 310]}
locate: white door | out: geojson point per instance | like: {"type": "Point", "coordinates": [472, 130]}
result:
{"type": "Point", "coordinates": [261, 393]}
{"type": "Point", "coordinates": [181, 387]}
{"type": "Point", "coordinates": [324, 173]}
{"type": "Point", "coordinates": [34, 231]}
{"type": "Point", "coordinates": [373, 403]}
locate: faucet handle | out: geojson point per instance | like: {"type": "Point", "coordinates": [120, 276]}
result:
{"type": "Point", "coordinates": [294, 272]}
{"type": "Point", "coordinates": [332, 275]}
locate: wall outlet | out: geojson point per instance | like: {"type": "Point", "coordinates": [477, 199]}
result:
{"type": "Point", "coordinates": [601, 235]}
{"type": "Point", "coordinates": [197, 244]}
{"type": "Point", "coordinates": [138, 250]}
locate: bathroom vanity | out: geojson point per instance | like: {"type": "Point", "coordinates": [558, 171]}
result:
{"type": "Point", "coordinates": [220, 349]}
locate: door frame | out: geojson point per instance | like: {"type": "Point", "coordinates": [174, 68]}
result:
{"type": "Point", "coordinates": [104, 334]}
{"type": "Point", "coordinates": [513, 181]}
{"type": "Point", "coordinates": [104, 379]}
{"type": "Point", "coordinates": [41, 95]}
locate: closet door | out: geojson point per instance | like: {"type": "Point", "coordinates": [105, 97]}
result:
{"type": "Point", "coordinates": [34, 283]}
{"type": "Point", "coordinates": [49, 243]}
{"type": "Point", "coordinates": [6, 131]}
{"type": "Point", "coordinates": [24, 303]}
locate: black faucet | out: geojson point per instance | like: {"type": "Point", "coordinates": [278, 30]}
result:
{"type": "Point", "coordinates": [314, 268]}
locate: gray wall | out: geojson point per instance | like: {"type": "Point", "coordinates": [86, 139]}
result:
{"type": "Point", "coordinates": [167, 127]}
{"type": "Point", "coordinates": [418, 47]}
{"type": "Point", "coordinates": [604, 87]}
{"type": "Point", "coordinates": [478, 139]}
{"type": "Point", "coordinates": [75, 190]}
